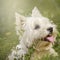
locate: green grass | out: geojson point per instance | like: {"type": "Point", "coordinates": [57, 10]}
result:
{"type": "Point", "coordinates": [6, 44]}
{"type": "Point", "coordinates": [8, 38]}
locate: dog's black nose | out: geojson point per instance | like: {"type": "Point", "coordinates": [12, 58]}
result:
{"type": "Point", "coordinates": [50, 29]}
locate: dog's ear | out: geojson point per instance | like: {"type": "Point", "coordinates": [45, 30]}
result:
{"type": "Point", "coordinates": [36, 13]}
{"type": "Point", "coordinates": [20, 20]}
{"type": "Point", "coordinates": [20, 23]}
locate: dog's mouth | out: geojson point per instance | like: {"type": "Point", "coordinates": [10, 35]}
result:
{"type": "Point", "coordinates": [49, 38]}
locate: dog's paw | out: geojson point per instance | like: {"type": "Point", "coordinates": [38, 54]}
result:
{"type": "Point", "coordinates": [55, 54]}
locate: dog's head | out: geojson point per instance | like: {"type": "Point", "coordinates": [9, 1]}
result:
{"type": "Point", "coordinates": [37, 26]}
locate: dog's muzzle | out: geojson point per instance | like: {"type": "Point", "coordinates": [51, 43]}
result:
{"type": "Point", "coordinates": [49, 37]}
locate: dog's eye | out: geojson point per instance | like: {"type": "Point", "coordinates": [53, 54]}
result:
{"type": "Point", "coordinates": [37, 27]}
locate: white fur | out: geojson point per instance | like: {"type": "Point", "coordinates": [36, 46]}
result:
{"type": "Point", "coordinates": [26, 32]}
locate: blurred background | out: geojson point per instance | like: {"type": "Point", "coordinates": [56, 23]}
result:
{"type": "Point", "coordinates": [8, 38]}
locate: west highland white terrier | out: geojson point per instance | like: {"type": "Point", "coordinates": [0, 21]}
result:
{"type": "Point", "coordinates": [34, 28]}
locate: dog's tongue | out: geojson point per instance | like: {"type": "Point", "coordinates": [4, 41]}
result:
{"type": "Point", "coordinates": [51, 38]}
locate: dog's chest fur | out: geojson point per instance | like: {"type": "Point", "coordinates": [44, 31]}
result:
{"type": "Point", "coordinates": [40, 50]}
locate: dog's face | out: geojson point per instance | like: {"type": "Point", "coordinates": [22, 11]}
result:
{"type": "Point", "coordinates": [37, 26]}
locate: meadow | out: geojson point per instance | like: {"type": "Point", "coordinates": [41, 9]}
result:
{"type": "Point", "coordinates": [8, 37]}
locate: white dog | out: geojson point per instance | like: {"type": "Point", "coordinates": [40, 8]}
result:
{"type": "Point", "coordinates": [30, 29]}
